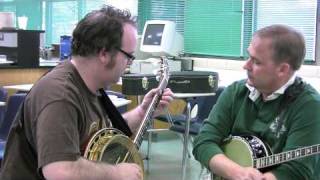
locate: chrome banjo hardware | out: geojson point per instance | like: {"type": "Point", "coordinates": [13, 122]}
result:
{"type": "Point", "coordinates": [211, 81]}
{"type": "Point", "coordinates": [145, 83]}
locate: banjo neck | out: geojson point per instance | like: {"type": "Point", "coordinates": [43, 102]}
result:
{"type": "Point", "coordinates": [286, 156]}
{"type": "Point", "coordinates": [164, 78]}
{"type": "Point", "coordinates": [250, 151]}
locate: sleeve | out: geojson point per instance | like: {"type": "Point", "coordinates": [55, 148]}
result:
{"type": "Point", "coordinates": [215, 128]}
{"type": "Point", "coordinates": [57, 135]}
{"type": "Point", "coordinates": [303, 131]}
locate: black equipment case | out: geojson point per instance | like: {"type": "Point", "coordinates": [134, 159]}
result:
{"type": "Point", "coordinates": [179, 82]}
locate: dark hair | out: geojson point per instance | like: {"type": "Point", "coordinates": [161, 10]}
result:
{"type": "Point", "coordinates": [100, 29]}
{"type": "Point", "coordinates": [288, 44]}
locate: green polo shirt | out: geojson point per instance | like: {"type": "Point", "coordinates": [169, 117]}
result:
{"type": "Point", "coordinates": [236, 114]}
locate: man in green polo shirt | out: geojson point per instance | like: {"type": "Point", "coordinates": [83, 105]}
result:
{"type": "Point", "coordinates": [272, 104]}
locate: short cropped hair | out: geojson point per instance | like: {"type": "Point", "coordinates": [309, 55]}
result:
{"type": "Point", "coordinates": [100, 29]}
{"type": "Point", "coordinates": [287, 43]}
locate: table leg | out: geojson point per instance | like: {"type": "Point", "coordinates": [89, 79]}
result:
{"type": "Point", "coordinates": [185, 142]}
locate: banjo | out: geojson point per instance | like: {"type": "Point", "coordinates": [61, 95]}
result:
{"type": "Point", "coordinates": [250, 151]}
{"type": "Point", "coordinates": [112, 146]}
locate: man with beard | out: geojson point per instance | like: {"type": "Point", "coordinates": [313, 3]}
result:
{"type": "Point", "coordinates": [62, 110]}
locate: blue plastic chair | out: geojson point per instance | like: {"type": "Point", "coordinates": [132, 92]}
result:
{"type": "Point", "coordinates": [121, 109]}
{"type": "Point", "coordinates": [3, 94]}
{"type": "Point", "coordinates": [177, 123]}
{"type": "Point", "coordinates": [190, 127]}
{"type": "Point", "coordinates": [205, 104]}
{"type": "Point", "coordinates": [3, 98]}
{"type": "Point", "coordinates": [13, 106]}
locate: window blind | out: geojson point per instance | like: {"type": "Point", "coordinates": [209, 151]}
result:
{"type": "Point", "coordinates": [249, 25]}
{"type": "Point", "coordinates": [172, 10]}
{"type": "Point", "coordinates": [92, 5]}
{"type": "Point", "coordinates": [213, 27]}
{"type": "Point", "coordinates": [63, 15]}
{"type": "Point", "coordinates": [300, 14]}
{"type": "Point", "coordinates": [210, 27]}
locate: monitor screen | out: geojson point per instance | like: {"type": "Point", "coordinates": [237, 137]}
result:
{"type": "Point", "coordinates": [153, 34]}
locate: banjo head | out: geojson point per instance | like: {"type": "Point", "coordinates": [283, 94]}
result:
{"type": "Point", "coordinates": [111, 146]}
{"type": "Point", "coordinates": [233, 148]}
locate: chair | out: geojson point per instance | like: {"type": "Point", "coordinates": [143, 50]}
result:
{"type": "Point", "coordinates": [13, 105]}
{"type": "Point", "coordinates": [3, 94]}
{"type": "Point", "coordinates": [197, 109]}
{"type": "Point", "coordinates": [200, 108]}
{"type": "Point", "coordinates": [3, 98]}
{"type": "Point", "coordinates": [204, 105]}
{"type": "Point", "coordinates": [121, 109]}
{"type": "Point", "coordinates": [180, 118]}
{"type": "Point", "coordinates": [192, 123]}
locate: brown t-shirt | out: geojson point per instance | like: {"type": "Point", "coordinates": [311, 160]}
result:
{"type": "Point", "coordinates": [60, 116]}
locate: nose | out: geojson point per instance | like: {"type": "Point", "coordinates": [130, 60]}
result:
{"type": "Point", "coordinates": [247, 64]}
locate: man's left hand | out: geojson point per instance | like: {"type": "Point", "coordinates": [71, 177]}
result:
{"type": "Point", "coordinates": [167, 97]}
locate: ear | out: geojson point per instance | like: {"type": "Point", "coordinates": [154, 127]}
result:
{"type": "Point", "coordinates": [104, 57]}
{"type": "Point", "coordinates": [284, 69]}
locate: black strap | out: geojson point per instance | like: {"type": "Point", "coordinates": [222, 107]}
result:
{"type": "Point", "coordinates": [116, 118]}
{"type": "Point", "coordinates": [290, 95]}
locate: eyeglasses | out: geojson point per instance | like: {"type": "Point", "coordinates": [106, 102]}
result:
{"type": "Point", "coordinates": [130, 57]}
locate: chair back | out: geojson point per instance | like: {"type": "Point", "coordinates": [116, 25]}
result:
{"type": "Point", "coordinates": [3, 98]}
{"type": "Point", "coordinates": [202, 105]}
{"type": "Point", "coordinates": [206, 103]}
{"type": "Point", "coordinates": [121, 109]}
{"type": "Point", "coordinates": [13, 106]}
{"type": "Point", "coordinates": [3, 94]}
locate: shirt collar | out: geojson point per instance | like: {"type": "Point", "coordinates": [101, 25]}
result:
{"type": "Point", "coordinates": [254, 93]}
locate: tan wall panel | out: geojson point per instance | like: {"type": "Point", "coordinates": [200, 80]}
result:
{"type": "Point", "coordinates": [20, 76]}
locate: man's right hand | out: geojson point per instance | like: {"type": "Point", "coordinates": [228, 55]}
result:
{"type": "Point", "coordinates": [226, 168]}
{"type": "Point", "coordinates": [247, 173]}
{"type": "Point", "coordinates": [129, 171]}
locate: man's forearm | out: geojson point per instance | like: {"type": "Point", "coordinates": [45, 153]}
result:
{"type": "Point", "coordinates": [81, 169]}
{"type": "Point", "coordinates": [134, 118]}
{"type": "Point", "coordinates": [223, 166]}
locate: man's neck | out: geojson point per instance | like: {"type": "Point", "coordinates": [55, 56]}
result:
{"type": "Point", "coordinates": [280, 87]}
{"type": "Point", "coordinates": [87, 69]}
